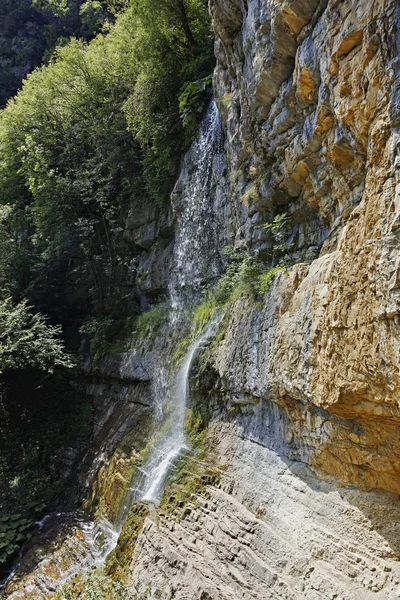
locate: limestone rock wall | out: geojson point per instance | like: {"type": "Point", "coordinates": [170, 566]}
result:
{"type": "Point", "coordinates": [302, 393]}
{"type": "Point", "coordinates": [327, 335]}
{"type": "Point", "coordinates": [303, 88]}
{"type": "Point", "coordinates": [270, 530]}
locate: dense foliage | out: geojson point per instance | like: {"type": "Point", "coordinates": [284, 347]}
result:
{"type": "Point", "coordinates": [30, 29]}
{"type": "Point", "coordinates": [97, 126]}
{"type": "Point", "coordinates": [27, 340]}
{"type": "Point", "coordinates": [45, 426]}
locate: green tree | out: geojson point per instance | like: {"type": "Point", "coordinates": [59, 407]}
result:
{"type": "Point", "coordinates": [28, 341]}
{"type": "Point", "coordinates": [97, 126]}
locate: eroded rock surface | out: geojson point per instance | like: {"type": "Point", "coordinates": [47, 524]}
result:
{"type": "Point", "coordinates": [271, 530]}
{"type": "Point", "coordinates": [327, 337]}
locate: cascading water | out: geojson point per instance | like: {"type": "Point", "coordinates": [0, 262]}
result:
{"type": "Point", "coordinates": [196, 260]}
{"type": "Point", "coordinates": [173, 443]}
{"type": "Point", "coordinates": [200, 228]}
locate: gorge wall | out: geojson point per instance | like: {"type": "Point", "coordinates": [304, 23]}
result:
{"type": "Point", "coordinates": [306, 386]}
{"type": "Point", "coordinates": [299, 393]}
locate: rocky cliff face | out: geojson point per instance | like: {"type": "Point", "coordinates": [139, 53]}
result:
{"type": "Point", "coordinates": [305, 388]}
{"type": "Point", "coordinates": [299, 394]}
{"type": "Point", "coordinates": [318, 80]}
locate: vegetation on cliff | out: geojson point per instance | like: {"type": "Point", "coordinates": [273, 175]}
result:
{"type": "Point", "coordinates": [97, 126]}
{"type": "Point", "coordinates": [45, 424]}
{"type": "Point", "coordinates": [26, 340]}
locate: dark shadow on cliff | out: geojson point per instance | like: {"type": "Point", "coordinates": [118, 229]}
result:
{"type": "Point", "coordinates": [73, 434]}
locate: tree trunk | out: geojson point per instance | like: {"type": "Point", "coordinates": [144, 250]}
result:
{"type": "Point", "coordinates": [185, 23]}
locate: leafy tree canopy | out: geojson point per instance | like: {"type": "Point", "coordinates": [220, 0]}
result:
{"type": "Point", "coordinates": [31, 29]}
{"type": "Point", "coordinates": [96, 126]}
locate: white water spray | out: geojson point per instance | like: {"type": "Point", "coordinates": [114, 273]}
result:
{"type": "Point", "coordinates": [200, 221]}
{"type": "Point", "coordinates": [174, 442]}
{"type": "Point", "coordinates": [195, 261]}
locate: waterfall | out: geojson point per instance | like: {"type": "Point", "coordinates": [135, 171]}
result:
{"type": "Point", "coordinates": [200, 226]}
{"type": "Point", "coordinates": [173, 443]}
{"type": "Point", "coordinates": [195, 261]}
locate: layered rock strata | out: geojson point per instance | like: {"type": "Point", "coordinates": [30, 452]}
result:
{"type": "Point", "coordinates": [270, 530]}
{"type": "Point", "coordinates": [320, 102]}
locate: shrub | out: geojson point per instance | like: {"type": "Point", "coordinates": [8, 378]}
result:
{"type": "Point", "coordinates": [240, 277]}
{"type": "Point", "coordinates": [193, 101]}
{"type": "Point", "coordinates": [107, 335]}
{"type": "Point", "coordinates": [265, 279]}
{"type": "Point", "coordinates": [281, 230]}
{"type": "Point", "coordinates": [27, 340]}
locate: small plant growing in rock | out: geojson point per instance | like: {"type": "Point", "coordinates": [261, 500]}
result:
{"type": "Point", "coordinates": [226, 98]}
{"type": "Point", "coordinates": [107, 335]}
{"type": "Point", "coordinates": [280, 229]}
{"type": "Point", "coordinates": [251, 194]}
{"type": "Point", "coordinates": [193, 101]}
{"type": "Point", "coordinates": [148, 323]}
{"type": "Point", "coordinates": [265, 280]}
{"type": "Point", "coordinates": [253, 172]}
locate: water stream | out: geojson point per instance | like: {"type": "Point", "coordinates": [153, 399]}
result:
{"type": "Point", "coordinates": [196, 261]}
{"type": "Point", "coordinates": [173, 441]}
{"type": "Point", "coordinates": [149, 481]}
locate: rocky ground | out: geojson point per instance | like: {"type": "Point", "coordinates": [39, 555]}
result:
{"type": "Point", "coordinates": [270, 530]}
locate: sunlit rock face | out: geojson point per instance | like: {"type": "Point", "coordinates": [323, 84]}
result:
{"type": "Point", "coordinates": [270, 530]}
{"type": "Point", "coordinates": [304, 92]}
{"type": "Point", "coordinates": [320, 104]}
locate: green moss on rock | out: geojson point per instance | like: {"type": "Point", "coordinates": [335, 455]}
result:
{"type": "Point", "coordinates": [190, 482]}
{"type": "Point", "coordinates": [119, 560]}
